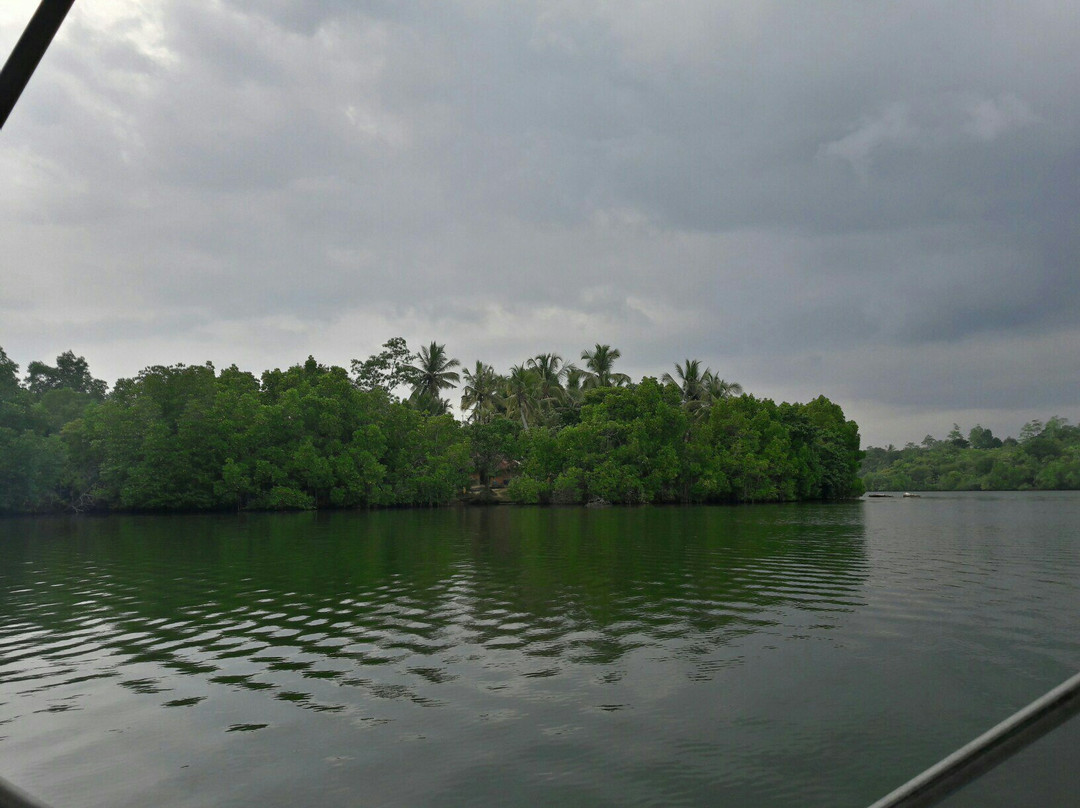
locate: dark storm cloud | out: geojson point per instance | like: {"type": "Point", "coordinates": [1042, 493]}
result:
{"type": "Point", "coordinates": [877, 202]}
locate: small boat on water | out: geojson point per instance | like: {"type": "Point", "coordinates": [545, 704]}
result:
{"type": "Point", "coordinates": [909, 495]}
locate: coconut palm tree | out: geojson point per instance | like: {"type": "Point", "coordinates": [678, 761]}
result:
{"type": "Point", "coordinates": [691, 381]}
{"type": "Point", "coordinates": [520, 393]}
{"type": "Point", "coordinates": [432, 374]}
{"type": "Point", "coordinates": [575, 384]}
{"type": "Point", "coordinates": [481, 392]}
{"type": "Point", "coordinates": [549, 370]}
{"type": "Point", "coordinates": [600, 362]}
{"type": "Point", "coordinates": [718, 389]}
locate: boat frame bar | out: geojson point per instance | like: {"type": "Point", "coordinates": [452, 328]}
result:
{"type": "Point", "coordinates": [12, 797]}
{"type": "Point", "coordinates": [28, 51]}
{"type": "Point", "coordinates": [989, 749]}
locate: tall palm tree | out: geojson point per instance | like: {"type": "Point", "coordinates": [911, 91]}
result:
{"type": "Point", "coordinates": [549, 371]}
{"type": "Point", "coordinates": [432, 374]}
{"type": "Point", "coordinates": [600, 362]}
{"type": "Point", "coordinates": [575, 384]}
{"type": "Point", "coordinates": [691, 381]}
{"type": "Point", "coordinates": [521, 392]}
{"type": "Point", "coordinates": [718, 389]}
{"type": "Point", "coordinates": [481, 392]}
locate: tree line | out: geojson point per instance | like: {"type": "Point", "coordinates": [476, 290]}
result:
{"type": "Point", "coordinates": [381, 434]}
{"type": "Point", "coordinates": [1045, 456]}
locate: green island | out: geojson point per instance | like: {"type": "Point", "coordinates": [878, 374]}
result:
{"type": "Point", "coordinates": [1045, 457]}
{"type": "Point", "coordinates": [189, 438]}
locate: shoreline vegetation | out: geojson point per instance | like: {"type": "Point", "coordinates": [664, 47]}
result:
{"type": "Point", "coordinates": [189, 438]}
{"type": "Point", "coordinates": [1045, 457]}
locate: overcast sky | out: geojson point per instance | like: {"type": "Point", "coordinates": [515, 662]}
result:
{"type": "Point", "coordinates": [875, 201]}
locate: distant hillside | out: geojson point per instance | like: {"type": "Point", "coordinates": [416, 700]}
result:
{"type": "Point", "coordinates": [1046, 456]}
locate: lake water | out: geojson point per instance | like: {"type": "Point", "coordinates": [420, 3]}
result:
{"type": "Point", "coordinates": [803, 655]}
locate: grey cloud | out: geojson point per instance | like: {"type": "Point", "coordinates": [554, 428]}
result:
{"type": "Point", "coordinates": [738, 183]}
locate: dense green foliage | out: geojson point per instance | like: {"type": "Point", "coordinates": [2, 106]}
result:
{"type": "Point", "coordinates": [643, 444]}
{"type": "Point", "coordinates": [192, 438]}
{"type": "Point", "coordinates": [1046, 456]}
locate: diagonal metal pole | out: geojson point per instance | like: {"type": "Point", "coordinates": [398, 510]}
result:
{"type": "Point", "coordinates": [12, 797]}
{"type": "Point", "coordinates": [28, 52]}
{"type": "Point", "coordinates": [989, 749]}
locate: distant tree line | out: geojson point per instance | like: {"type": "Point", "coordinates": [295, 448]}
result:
{"type": "Point", "coordinates": [192, 438]}
{"type": "Point", "coordinates": [1046, 456]}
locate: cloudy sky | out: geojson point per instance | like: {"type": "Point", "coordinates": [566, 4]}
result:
{"type": "Point", "coordinates": [875, 201]}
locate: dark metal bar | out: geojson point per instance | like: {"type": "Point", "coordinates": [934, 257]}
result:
{"type": "Point", "coordinates": [28, 52]}
{"type": "Point", "coordinates": [11, 797]}
{"type": "Point", "coordinates": [989, 749]}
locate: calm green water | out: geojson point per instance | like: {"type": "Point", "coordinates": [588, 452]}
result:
{"type": "Point", "coordinates": [755, 656]}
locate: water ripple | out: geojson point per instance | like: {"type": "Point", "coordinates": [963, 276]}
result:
{"type": "Point", "coordinates": [530, 638]}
